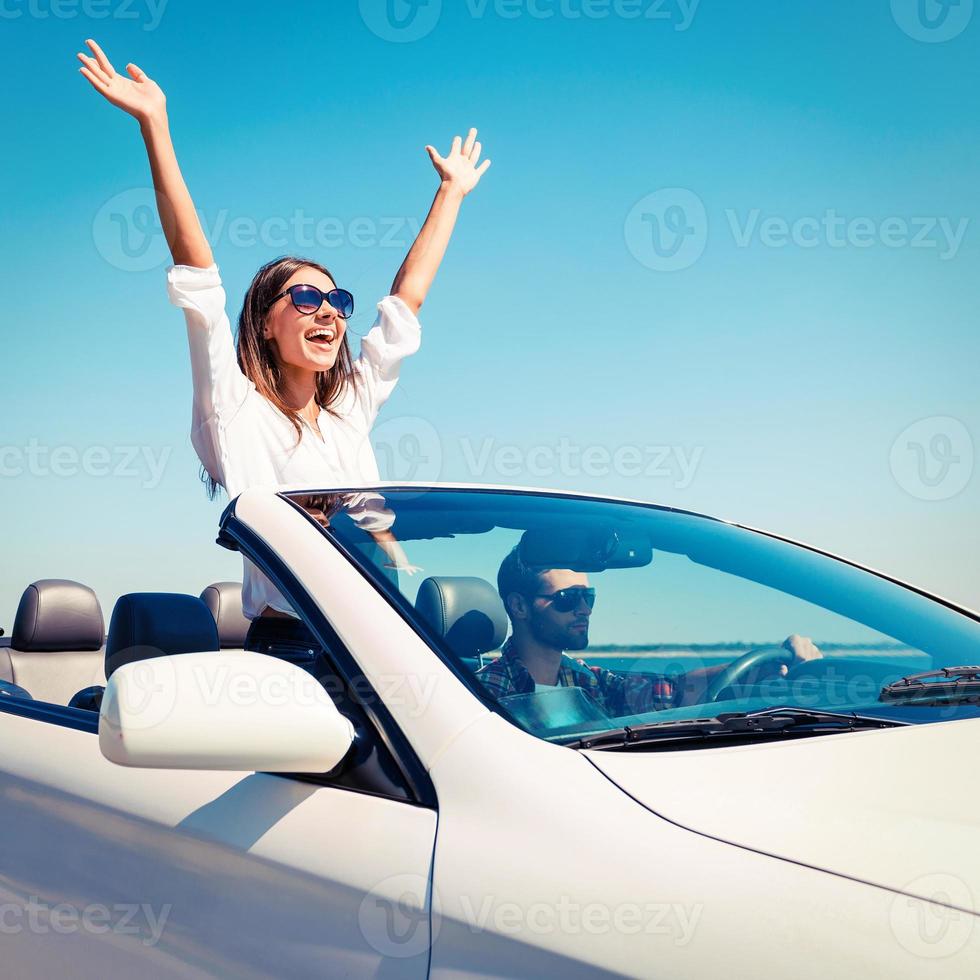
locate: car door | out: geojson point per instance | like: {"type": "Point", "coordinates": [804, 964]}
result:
{"type": "Point", "coordinates": [107, 871]}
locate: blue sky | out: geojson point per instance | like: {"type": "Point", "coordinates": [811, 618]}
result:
{"type": "Point", "coordinates": [725, 259]}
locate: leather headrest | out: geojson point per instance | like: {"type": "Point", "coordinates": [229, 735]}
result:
{"type": "Point", "coordinates": [467, 611]}
{"type": "Point", "coordinates": [157, 624]}
{"type": "Point", "coordinates": [224, 599]}
{"type": "Point", "coordinates": [58, 614]}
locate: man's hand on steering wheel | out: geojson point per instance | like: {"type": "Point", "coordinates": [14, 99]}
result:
{"type": "Point", "coordinates": [706, 685]}
{"type": "Point", "coordinates": [803, 648]}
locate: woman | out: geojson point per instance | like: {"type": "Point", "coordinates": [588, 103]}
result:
{"type": "Point", "coordinates": [291, 406]}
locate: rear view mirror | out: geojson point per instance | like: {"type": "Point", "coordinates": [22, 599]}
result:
{"type": "Point", "coordinates": [585, 549]}
{"type": "Point", "coordinates": [633, 550]}
{"type": "Point", "coordinates": [223, 710]}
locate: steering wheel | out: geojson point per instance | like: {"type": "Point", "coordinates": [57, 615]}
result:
{"type": "Point", "coordinates": [737, 669]}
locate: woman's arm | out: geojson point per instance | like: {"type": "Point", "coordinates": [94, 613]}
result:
{"type": "Point", "coordinates": [392, 547]}
{"type": "Point", "coordinates": [143, 99]}
{"type": "Point", "coordinates": [460, 174]}
{"type": "Point", "coordinates": [220, 388]}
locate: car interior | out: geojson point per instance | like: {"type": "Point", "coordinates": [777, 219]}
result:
{"type": "Point", "coordinates": [59, 652]}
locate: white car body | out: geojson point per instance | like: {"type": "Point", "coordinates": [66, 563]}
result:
{"type": "Point", "coordinates": [867, 870]}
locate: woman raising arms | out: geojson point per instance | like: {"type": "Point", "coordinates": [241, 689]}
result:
{"type": "Point", "coordinates": [291, 405]}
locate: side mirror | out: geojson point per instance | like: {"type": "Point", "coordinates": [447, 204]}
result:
{"type": "Point", "coordinates": [222, 710]}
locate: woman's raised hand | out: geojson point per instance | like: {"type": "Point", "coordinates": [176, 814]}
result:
{"type": "Point", "coordinates": [143, 99]}
{"type": "Point", "coordinates": [138, 95]}
{"type": "Point", "coordinates": [459, 169]}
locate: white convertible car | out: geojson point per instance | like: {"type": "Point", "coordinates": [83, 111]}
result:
{"type": "Point", "coordinates": [399, 799]}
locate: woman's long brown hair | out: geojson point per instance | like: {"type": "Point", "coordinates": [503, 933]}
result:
{"type": "Point", "coordinates": [256, 355]}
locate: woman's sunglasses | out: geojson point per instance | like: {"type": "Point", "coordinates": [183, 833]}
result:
{"type": "Point", "coordinates": [565, 600]}
{"type": "Point", "coordinates": [308, 299]}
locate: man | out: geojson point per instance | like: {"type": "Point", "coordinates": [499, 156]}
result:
{"type": "Point", "coordinates": [549, 610]}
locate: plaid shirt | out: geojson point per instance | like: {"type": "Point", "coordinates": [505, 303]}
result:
{"type": "Point", "coordinates": [616, 694]}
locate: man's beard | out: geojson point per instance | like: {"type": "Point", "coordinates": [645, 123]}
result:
{"type": "Point", "coordinates": [557, 637]}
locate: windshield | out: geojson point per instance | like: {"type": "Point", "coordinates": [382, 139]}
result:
{"type": "Point", "coordinates": [575, 616]}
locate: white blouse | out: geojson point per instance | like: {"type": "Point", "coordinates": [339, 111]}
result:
{"type": "Point", "coordinates": [243, 440]}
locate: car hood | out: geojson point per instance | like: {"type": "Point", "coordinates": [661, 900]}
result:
{"type": "Point", "coordinates": [897, 807]}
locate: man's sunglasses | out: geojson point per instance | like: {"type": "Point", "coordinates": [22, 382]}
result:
{"type": "Point", "coordinates": [565, 600]}
{"type": "Point", "coordinates": [308, 299]}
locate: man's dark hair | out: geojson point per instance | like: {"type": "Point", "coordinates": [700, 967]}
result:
{"type": "Point", "coordinates": [515, 575]}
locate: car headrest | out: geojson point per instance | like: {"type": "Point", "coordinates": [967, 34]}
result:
{"type": "Point", "coordinates": [58, 614]}
{"type": "Point", "coordinates": [224, 599]}
{"type": "Point", "coordinates": [157, 624]}
{"type": "Point", "coordinates": [467, 611]}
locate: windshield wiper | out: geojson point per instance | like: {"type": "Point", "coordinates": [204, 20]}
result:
{"type": "Point", "coordinates": [944, 686]}
{"type": "Point", "coordinates": [753, 724]}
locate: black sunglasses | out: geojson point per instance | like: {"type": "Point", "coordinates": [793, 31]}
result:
{"type": "Point", "coordinates": [565, 600]}
{"type": "Point", "coordinates": [308, 299]}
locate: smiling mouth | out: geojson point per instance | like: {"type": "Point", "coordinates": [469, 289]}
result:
{"type": "Point", "coordinates": [321, 336]}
